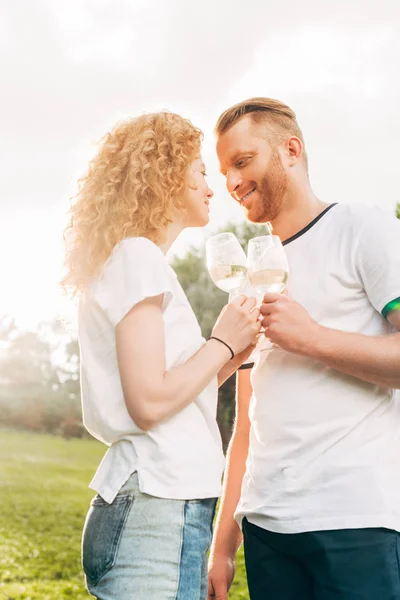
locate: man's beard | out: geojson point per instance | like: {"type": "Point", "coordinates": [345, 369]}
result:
{"type": "Point", "coordinates": [273, 190]}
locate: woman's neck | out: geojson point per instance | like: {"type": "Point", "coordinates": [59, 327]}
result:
{"type": "Point", "coordinates": [172, 232]}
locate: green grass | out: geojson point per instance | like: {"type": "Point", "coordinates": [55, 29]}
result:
{"type": "Point", "coordinates": [43, 502]}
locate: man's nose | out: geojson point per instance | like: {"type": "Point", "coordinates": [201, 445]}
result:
{"type": "Point", "coordinates": [233, 181]}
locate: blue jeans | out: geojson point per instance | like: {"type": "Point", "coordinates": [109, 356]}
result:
{"type": "Point", "coordinates": [141, 547]}
{"type": "Point", "coordinates": [343, 564]}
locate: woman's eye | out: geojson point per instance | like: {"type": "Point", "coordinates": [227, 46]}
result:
{"type": "Point", "coordinates": [205, 174]}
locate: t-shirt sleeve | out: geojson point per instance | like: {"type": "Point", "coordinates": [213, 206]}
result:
{"type": "Point", "coordinates": [136, 270]}
{"type": "Point", "coordinates": [378, 261]}
{"type": "Point", "coordinates": [245, 366]}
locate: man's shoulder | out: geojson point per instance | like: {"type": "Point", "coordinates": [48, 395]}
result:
{"type": "Point", "coordinates": [358, 212]}
{"type": "Point", "coordinates": [355, 217]}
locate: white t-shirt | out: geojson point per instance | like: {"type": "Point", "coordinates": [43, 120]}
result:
{"type": "Point", "coordinates": [325, 446]}
{"type": "Point", "coordinates": [181, 458]}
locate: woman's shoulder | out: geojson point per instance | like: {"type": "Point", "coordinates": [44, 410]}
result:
{"type": "Point", "coordinates": [138, 246]}
{"type": "Point", "coordinates": [137, 253]}
{"type": "Point", "coordinates": [133, 259]}
{"type": "Point", "coordinates": [137, 269]}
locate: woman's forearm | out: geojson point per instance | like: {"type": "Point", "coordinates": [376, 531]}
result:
{"type": "Point", "coordinates": [178, 387]}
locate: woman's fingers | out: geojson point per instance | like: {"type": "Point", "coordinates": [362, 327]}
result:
{"type": "Point", "coordinates": [249, 303]}
{"type": "Point", "coordinates": [246, 302]}
{"type": "Point", "coordinates": [239, 300]}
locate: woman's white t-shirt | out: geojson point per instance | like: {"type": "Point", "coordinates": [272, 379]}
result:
{"type": "Point", "coordinates": [181, 458]}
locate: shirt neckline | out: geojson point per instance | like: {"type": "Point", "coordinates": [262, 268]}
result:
{"type": "Point", "coordinates": [307, 227]}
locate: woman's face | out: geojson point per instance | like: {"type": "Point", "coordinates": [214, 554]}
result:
{"type": "Point", "coordinates": [197, 195]}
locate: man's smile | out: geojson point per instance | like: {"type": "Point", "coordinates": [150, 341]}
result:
{"type": "Point", "coordinates": [246, 196]}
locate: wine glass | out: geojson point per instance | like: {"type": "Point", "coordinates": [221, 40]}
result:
{"type": "Point", "coordinates": [268, 269]}
{"type": "Point", "coordinates": [227, 263]}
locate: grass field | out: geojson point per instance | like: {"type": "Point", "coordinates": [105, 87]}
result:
{"type": "Point", "coordinates": [43, 502]}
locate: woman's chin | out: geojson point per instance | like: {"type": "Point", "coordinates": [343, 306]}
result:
{"type": "Point", "coordinates": [202, 221]}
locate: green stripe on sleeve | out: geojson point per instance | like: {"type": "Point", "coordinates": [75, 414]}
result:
{"type": "Point", "coordinates": [393, 305]}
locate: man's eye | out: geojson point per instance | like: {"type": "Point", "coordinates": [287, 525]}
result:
{"type": "Point", "coordinates": [205, 174]}
{"type": "Point", "coordinates": [241, 162]}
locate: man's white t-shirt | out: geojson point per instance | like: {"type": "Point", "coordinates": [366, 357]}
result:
{"type": "Point", "coordinates": [181, 458]}
{"type": "Point", "coordinates": [325, 446]}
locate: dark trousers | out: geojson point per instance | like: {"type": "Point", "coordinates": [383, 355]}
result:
{"type": "Point", "coordinates": [345, 564]}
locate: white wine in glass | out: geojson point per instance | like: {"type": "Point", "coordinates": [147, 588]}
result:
{"type": "Point", "coordinates": [226, 262]}
{"type": "Point", "coordinates": [228, 277]}
{"type": "Point", "coordinates": [268, 266]}
{"type": "Point", "coordinates": [269, 280]}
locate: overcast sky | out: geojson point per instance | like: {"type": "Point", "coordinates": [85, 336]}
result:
{"type": "Point", "coordinates": [71, 68]}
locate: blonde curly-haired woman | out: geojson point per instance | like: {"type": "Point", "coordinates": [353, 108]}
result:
{"type": "Point", "coordinates": [149, 379]}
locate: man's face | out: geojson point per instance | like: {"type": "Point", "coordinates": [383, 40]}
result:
{"type": "Point", "coordinates": [255, 176]}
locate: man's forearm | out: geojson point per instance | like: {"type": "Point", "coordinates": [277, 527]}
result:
{"type": "Point", "coordinates": [226, 372]}
{"type": "Point", "coordinates": [372, 359]}
{"type": "Point", "coordinates": [227, 536]}
{"type": "Point", "coordinates": [233, 365]}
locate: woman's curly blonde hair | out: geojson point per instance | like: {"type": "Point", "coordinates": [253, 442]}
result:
{"type": "Point", "coordinates": [133, 187]}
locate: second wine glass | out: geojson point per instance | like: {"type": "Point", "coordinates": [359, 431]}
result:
{"type": "Point", "coordinates": [268, 268]}
{"type": "Point", "coordinates": [268, 271]}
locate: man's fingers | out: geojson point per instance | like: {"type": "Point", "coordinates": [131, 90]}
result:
{"type": "Point", "coordinates": [269, 298]}
{"type": "Point", "coordinates": [217, 591]}
{"type": "Point", "coordinates": [268, 309]}
{"type": "Point", "coordinates": [216, 595]}
{"type": "Point", "coordinates": [265, 323]}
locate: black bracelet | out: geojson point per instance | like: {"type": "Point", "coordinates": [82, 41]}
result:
{"type": "Point", "coordinates": [212, 337]}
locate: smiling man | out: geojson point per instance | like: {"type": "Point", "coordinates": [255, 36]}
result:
{"type": "Point", "coordinates": [313, 475]}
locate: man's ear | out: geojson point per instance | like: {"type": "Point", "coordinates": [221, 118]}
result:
{"type": "Point", "coordinates": [294, 148]}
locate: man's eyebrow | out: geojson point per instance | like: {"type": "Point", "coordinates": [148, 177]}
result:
{"type": "Point", "coordinates": [236, 154]}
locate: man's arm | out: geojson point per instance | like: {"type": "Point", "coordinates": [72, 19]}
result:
{"type": "Point", "coordinates": [233, 365]}
{"type": "Point", "coordinates": [372, 359]}
{"type": "Point", "coordinates": [227, 535]}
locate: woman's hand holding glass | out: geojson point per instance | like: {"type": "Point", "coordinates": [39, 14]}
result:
{"type": "Point", "coordinates": [238, 325]}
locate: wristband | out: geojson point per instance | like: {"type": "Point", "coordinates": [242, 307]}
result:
{"type": "Point", "coordinates": [212, 337]}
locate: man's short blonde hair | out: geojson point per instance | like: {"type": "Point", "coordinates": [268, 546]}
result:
{"type": "Point", "coordinates": [280, 118]}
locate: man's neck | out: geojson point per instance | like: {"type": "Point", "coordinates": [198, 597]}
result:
{"type": "Point", "coordinates": [299, 209]}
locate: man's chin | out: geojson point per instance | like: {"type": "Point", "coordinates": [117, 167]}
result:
{"type": "Point", "coordinates": [256, 217]}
